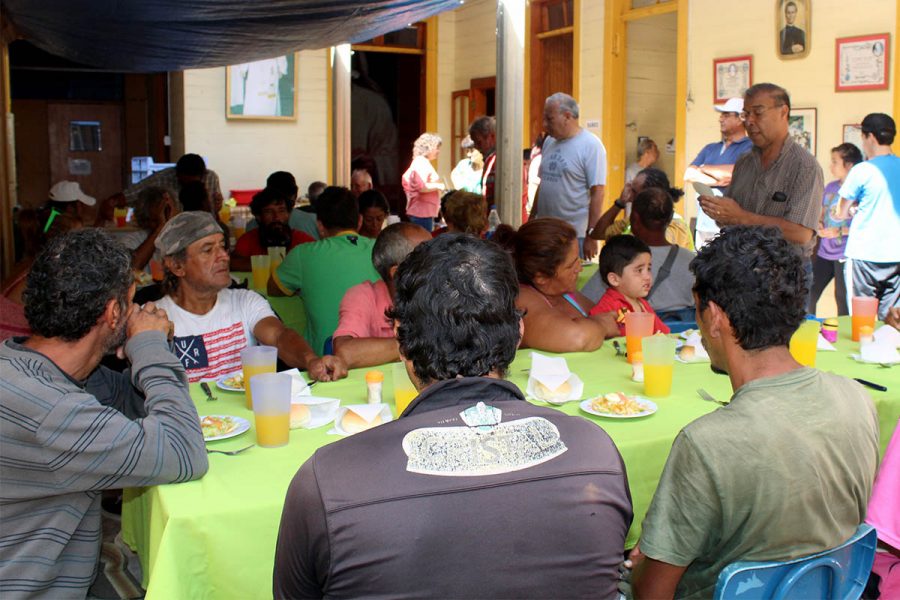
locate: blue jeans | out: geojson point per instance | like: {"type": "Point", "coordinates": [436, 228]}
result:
{"type": "Point", "coordinates": [426, 222]}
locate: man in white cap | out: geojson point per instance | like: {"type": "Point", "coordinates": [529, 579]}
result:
{"type": "Point", "coordinates": [715, 162]}
{"type": "Point", "coordinates": [67, 198]}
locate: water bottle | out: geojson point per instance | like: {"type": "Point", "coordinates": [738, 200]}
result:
{"type": "Point", "coordinates": [493, 220]}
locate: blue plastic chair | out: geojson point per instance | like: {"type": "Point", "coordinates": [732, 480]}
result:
{"type": "Point", "coordinates": [679, 326]}
{"type": "Point", "coordinates": [837, 574]}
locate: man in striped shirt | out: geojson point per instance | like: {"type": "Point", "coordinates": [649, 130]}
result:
{"type": "Point", "coordinates": [213, 322]}
{"type": "Point", "coordinates": [70, 429]}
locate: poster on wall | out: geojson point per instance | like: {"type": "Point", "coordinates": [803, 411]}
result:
{"type": "Point", "coordinates": [263, 89]}
{"type": "Point", "coordinates": [792, 28]}
{"type": "Point", "coordinates": [802, 127]}
{"type": "Point", "coordinates": [731, 77]}
{"type": "Point", "coordinates": [852, 134]}
{"type": "Point", "coordinates": [862, 62]}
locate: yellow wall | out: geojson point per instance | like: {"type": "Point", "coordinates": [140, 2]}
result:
{"type": "Point", "coordinates": [650, 86]}
{"type": "Point", "coordinates": [722, 28]}
{"type": "Point", "coordinates": [589, 88]}
{"type": "Point", "coordinates": [243, 153]}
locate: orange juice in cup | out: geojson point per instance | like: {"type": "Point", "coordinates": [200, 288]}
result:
{"type": "Point", "coordinates": [272, 408]}
{"type": "Point", "coordinates": [272, 430]}
{"type": "Point", "coordinates": [262, 268]}
{"type": "Point", "coordinates": [404, 390]}
{"type": "Point", "coordinates": [257, 360]}
{"type": "Point", "coordinates": [659, 360]}
{"type": "Point", "coordinates": [803, 343]}
{"type": "Point", "coordinates": [863, 314]}
{"type": "Point", "coordinates": [638, 325]}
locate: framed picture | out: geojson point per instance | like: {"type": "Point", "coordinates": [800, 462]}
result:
{"type": "Point", "coordinates": [792, 28]}
{"type": "Point", "coordinates": [862, 62]}
{"type": "Point", "coordinates": [802, 127]}
{"type": "Point", "coordinates": [731, 77]}
{"type": "Point", "coordinates": [262, 90]}
{"type": "Point", "coordinates": [852, 134]}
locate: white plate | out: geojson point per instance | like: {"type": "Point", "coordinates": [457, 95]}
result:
{"type": "Point", "coordinates": [220, 383]}
{"type": "Point", "coordinates": [650, 409]}
{"type": "Point", "coordinates": [859, 358]}
{"type": "Point", "coordinates": [241, 425]}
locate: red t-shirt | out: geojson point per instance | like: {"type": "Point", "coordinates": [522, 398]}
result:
{"type": "Point", "coordinates": [248, 244]}
{"type": "Point", "coordinates": [613, 301]}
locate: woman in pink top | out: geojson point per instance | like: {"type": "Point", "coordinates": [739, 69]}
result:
{"type": "Point", "coordinates": [884, 516]}
{"type": "Point", "coordinates": [422, 183]}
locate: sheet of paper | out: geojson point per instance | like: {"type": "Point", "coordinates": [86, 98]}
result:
{"type": "Point", "coordinates": [552, 371]}
{"type": "Point", "coordinates": [823, 344]}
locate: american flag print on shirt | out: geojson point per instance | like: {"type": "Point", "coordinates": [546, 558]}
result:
{"type": "Point", "coordinates": [212, 354]}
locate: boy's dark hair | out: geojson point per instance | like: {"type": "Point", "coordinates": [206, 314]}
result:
{"type": "Point", "coordinates": [618, 252]}
{"type": "Point", "coordinates": [191, 165]}
{"type": "Point", "coordinates": [283, 182]}
{"type": "Point", "coordinates": [193, 195]}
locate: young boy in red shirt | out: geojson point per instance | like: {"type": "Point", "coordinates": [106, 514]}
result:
{"type": "Point", "coordinates": [625, 267]}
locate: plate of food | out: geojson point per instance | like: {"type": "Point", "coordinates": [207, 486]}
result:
{"type": "Point", "coordinates": [221, 427]}
{"type": "Point", "coordinates": [233, 382]}
{"type": "Point", "coordinates": [619, 406]}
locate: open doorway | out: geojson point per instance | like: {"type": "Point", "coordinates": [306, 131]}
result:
{"type": "Point", "coordinates": [388, 107]}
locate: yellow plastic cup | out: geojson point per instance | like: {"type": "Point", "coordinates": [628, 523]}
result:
{"type": "Point", "coordinates": [404, 390]}
{"type": "Point", "coordinates": [272, 408]}
{"type": "Point", "coordinates": [803, 343]}
{"type": "Point", "coordinates": [659, 364]}
{"type": "Point", "coordinates": [262, 268]}
{"type": "Point", "coordinates": [255, 361]}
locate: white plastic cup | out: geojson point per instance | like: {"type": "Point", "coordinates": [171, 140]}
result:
{"type": "Point", "coordinates": [272, 408]}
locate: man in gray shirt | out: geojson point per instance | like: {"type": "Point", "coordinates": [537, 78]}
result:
{"type": "Point", "coordinates": [573, 171]}
{"type": "Point", "coordinates": [68, 429]}
{"type": "Point", "coordinates": [778, 182]}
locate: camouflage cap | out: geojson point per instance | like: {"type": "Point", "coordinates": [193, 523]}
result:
{"type": "Point", "coordinates": [184, 229]}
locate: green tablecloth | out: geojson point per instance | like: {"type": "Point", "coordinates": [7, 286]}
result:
{"type": "Point", "coordinates": [288, 308]}
{"type": "Point", "coordinates": [215, 538]}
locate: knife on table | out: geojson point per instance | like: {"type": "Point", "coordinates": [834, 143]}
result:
{"type": "Point", "coordinates": [209, 396]}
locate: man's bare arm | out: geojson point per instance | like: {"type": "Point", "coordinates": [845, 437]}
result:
{"type": "Point", "coordinates": [654, 579]}
{"type": "Point", "coordinates": [366, 352]}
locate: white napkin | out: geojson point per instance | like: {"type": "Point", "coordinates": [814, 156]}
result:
{"type": "Point", "coordinates": [888, 335]}
{"type": "Point", "coordinates": [695, 340]}
{"type": "Point", "coordinates": [552, 371]}
{"type": "Point", "coordinates": [299, 387]}
{"type": "Point", "coordinates": [879, 352]}
{"type": "Point", "coordinates": [823, 344]}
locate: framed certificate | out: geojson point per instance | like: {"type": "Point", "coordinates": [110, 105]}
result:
{"type": "Point", "coordinates": [263, 90]}
{"type": "Point", "coordinates": [852, 134]}
{"type": "Point", "coordinates": [862, 63]}
{"type": "Point", "coordinates": [731, 77]}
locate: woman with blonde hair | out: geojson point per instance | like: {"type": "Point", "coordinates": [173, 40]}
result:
{"type": "Point", "coordinates": [422, 183]}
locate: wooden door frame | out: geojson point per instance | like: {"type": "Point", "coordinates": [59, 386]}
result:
{"type": "Point", "coordinates": [614, 72]}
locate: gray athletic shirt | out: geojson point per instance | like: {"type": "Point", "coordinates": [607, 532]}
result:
{"type": "Point", "coordinates": [569, 169]}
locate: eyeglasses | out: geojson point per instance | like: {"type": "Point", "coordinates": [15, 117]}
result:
{"type": "Point", "coordinates": [756, 111]}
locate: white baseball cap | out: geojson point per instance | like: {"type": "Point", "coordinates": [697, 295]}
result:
{"type": "Point", "coordinates": [735, 105]}
{"type": "Point", "coordinates": [70, 191]}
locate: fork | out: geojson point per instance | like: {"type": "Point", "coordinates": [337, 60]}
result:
{"type": "Point", "coordinates": [618, 347]}
{"type": "Point", "coordinates": [706, 396]}
{"type": "Point", "coordinates": [229, 452]}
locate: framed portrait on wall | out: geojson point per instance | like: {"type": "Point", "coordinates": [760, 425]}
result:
{"type": "Point", "coordinates": [731, 77]}
{"type": "Point", "coordinates": [862, 62]}
{"type": "Point", "coordinates": [852, 134]}
{"type": "Point", "coordinates": [802, 127]}
{"type": "Point", "coordinates": [792, 28]}
{"type": "Point", "coordinates": [263, 89]}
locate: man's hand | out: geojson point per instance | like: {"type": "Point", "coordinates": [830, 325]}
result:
{"type": "Point", "coordinates": [589, 248]}
{"type": "Point", "coordinates": [146, 318]}
{"type": "Point", "coordinates": [327, 368]}
{"type": "Point", "coordinates": [893, 317]}
{"type": "Point", "coordinates": [724, 211]}
{"type": "Point", "coordinates": [627, 193]}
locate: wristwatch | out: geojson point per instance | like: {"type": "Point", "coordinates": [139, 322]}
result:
{"type": "Point", "coordinates": [618, 202]}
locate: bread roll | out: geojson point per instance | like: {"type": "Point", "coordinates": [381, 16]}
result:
{"type": "Point", "coordinates": [353, 423]}
{"type": "Point", "coordinates": [687, 352]}
{"type": "Point", "coordinates": [561, 393]}
{"type": "Point", "coordinates": [299, 415]}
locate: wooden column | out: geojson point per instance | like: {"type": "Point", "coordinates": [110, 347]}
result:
{"type": "Point", "coordinates": [510, 109]}
{"type": "Point", "coordinates": [340, 115]}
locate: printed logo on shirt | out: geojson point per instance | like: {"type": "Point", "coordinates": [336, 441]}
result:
{"type": "Point", "coordinates": [467, 452]}
{"type": "Point", "coordinates": [553, 166]}
{"type": "Point", "coordinates": [212, 354]}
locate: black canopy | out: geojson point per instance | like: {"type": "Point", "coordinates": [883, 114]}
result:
{"type": "Point", "coordinates": [172, 35]}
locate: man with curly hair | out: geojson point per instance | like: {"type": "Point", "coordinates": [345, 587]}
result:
{"type": "Point", "coordinates": [786, 468]}
{"type": "Point", "coordinates": [70, 429]}
{"type": "Point", "coordinates": [470, 491]}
